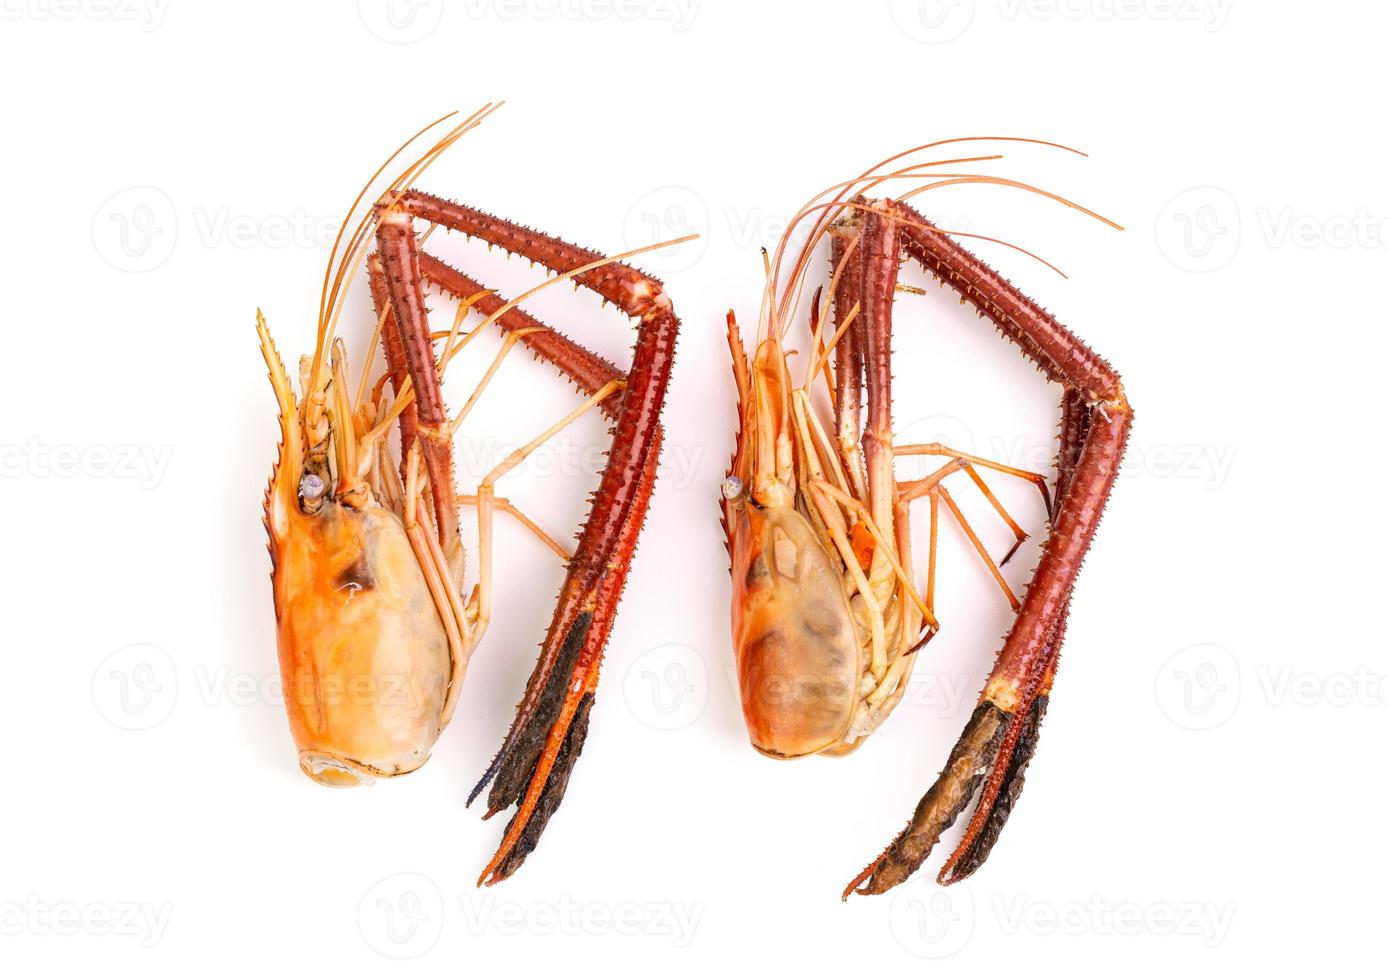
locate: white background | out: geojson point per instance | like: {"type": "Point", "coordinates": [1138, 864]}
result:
{"type": "Point", "coordinates": [1205, 795]}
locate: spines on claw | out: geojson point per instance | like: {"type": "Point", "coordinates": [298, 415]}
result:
{"type": "Point", "coordinates": [586, 369]}
{"type": "Point", "coordinates": [509, 771]}
{"type": "Point", "coordinates": [539, 781]}
{"type": "Point", "coordinates": [971, 757]}
{"type": "Point", "coordinates": [634, 292]}
{"type": "Point", "coordinates": [1001, 737]}
{"type": "Point", "coordinates": [1013, 781]}
{"type": "Point", "coordinates": [397, 364]}
{"type": "Point", "coordinates": [633, 435]}
{"type": "Point", "coordinates": [1043, 338]}
{"type": "Point", "coordinates": [399, 263]}
{"type": "Point", "coordinates": [531, 767]}
{"type": "Point", "coordinates": [556, 783]}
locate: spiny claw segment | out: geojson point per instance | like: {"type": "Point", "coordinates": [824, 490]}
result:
{"type": "Point", "coordinates": [533, 765]}
{"type": "Point", "coordinates": [972, 757]}
{"type": "Point", "coordinates": [1014, 779]}
{"type": "Point", "coordinates": [995, 743]}
{"type": "Point", "coordinates": [524, 829]}
{"type": "Point", "coordinates": [515, 760]}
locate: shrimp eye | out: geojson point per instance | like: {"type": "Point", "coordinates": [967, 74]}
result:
{"type": "Point", "coordinates": [732, 488]}
{"type": "Point", "coordinates": [311, 490]}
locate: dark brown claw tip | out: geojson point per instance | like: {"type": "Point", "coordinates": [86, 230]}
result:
{"type": "Point", "coordinates": [550, 799]}
{"type": "Point", "coordinates": [1013, 782]}
{"type": "Point", "coordinates": [515, 760]}
{"type": "Point", "coordinates": [941, 805]}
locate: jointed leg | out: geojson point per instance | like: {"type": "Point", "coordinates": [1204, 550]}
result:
{"type": "Point", "coordinates": [1001, 735]}
{"type": "Point", "coordinates": [462, 629]}
{"type": "Point", "coordinates": [486, 494]}
{"type": "Point", "coordinates": [505, 506]}
{"type": "Point", "coordinates": [587, 370]}
{"type": "Point", "coordinates": [435, 566]}
{"type": "Point", "coordinates": [931, 485]}
{"type": "Point", "coordinates": [408, 345]}
{"type": "Point", "coordinates": [977, 543]}
{"type": "Point", "coordinates": [523, 769]}
{"type": "Point", "coordinates": [848, 357]}
{"type": "Point", "coordinates": [565, 735]}
{"type": "Point", "coordinates": [878, 253]}
{"type": "Point", "coordinates": [1074, 429]}
{"type": "Point", "coordinates": [398, 370]}
{"type": "Point", "coordinates": [940, 449]}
